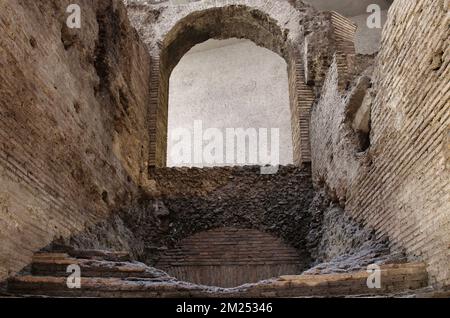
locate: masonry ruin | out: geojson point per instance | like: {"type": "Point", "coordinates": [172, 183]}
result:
{"type": "Point", "coordinates": [83, 135]}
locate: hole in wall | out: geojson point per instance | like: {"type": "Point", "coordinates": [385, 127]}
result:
{"type": "Point", "coordinates": [77, 107]}
{"type": "Point", "coordinates": [33, 42]}
{"type": "Point", "coordinates": [68, 38]}
{"type": "Point", "coordinates": [105, 196]}
{"type": "Point", "coordinates": [359, 112]}
{"type": "Point", "coordinates": [363, 140]}
{"type": "Point", "coordinates": [361, 125]}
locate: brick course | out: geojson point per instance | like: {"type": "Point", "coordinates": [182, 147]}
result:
{"type": "Point", "coordinates": [73, 131]}
{"type": "Point", "coordinates": [78, 117]}
{"type": "Point", "coordinates": [229, 257]}
{"type": "Point", "coordinates": [400, 186]}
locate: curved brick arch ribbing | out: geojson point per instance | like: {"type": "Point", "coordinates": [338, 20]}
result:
{"type": "Point", "coordinates": [229, 257]}
{"type": "Point", "coordinates": [195, 200]}
{"type": "Point", "coordinates": [292, 29]}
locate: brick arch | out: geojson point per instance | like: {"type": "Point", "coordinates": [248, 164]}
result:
{"type": "Point", "coordinates": [222, 23]}
{"type": "Point", "coordinates": [305, 38]}
{"type": "Point", "coordinates": [275, 26]}
{"type": "Point", "coordinates": [160, 20]}
{"type": "Point", "coordinates": [229, 257]}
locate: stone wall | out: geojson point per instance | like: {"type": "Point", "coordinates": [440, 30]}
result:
{"type": "Point", "coordinates": [397, 183]}
{"type": "Point", "coordinates": [75, 141]}
{"type": "Point", "coordinates": [193, 200]}
{"type": "Point", "coordinates": [73, 135]}
{"type": "Point", "coordinates": [233, 77]}
{"type": "Point", "coordinates": [111, 275]}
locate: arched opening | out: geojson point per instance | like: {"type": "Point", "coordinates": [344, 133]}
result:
{"type": "Point", "coordinates": [232, 96]}
{"type": "Point", "coordinates": [241, 23]}
{"type": "Point", "coordinates": [234, 21]}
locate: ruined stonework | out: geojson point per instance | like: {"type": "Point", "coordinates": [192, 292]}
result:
{"type": "Point", "coordinates": [283, 206]}
{"type": "Point", "coordinates": [192, 200]}
{"type": "Point", "coordinates": [83, 131]}
{"type": "Point", "coordinates": [73, 124]}
{"type": "Point", "coordinates": [302, 36]}
{"type": "Point", "coordinates": [398, 182]}
{"type": "Point", "coordinates": [114, 275]}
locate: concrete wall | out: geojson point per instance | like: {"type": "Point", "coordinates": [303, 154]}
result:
{"type": "Point", "coordinates": [73, 135]}
{"type": "Point", "coordinates": [232, 86]}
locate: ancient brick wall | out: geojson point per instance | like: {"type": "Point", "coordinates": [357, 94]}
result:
{"type": "Point", "coordinates": [72, 126]}
{"type": "Point", "coordinates": [400, 184]}
{"type": "Point", "coordinates": [229, 257]}
{"type": "Point", "coordinates": [112, 275]}
{"type": "Point", "coordinates": [336, 155]}
{"type": "Point", "coordinates": [294, 30]}
{"type": "Point", "coordinates": [195, 200]}
{"type": "Point", "coordinates": [74, 133]}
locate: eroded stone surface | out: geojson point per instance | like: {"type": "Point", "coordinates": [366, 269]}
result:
{"type": "Point", "coordinates": [400, 183]}
{"type": "Point", "coordinates": [73, 121]}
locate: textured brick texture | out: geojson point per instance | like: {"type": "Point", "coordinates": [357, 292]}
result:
{"type": "Point", "coordinates": [400, 184]}
{"type": "Point", "coordinates": [76, 137]}
{"type": "Point", "coordinates": [283, 207]}
{"type": "Point", "coordinates": [73, 135]}
{"type": "Point", "coordinates": [230, 257]}
{"type": "Point", "coordinates": [193, 200]}
{"type": "Point", "coordinates": [110, 278]}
